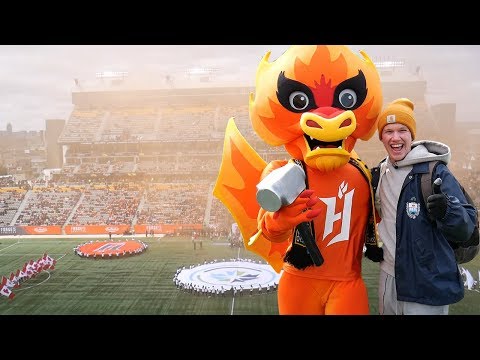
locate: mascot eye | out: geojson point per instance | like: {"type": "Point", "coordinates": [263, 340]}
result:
{"type": "Point", "coordinates": [293, 95]}
{"type": "Point", "coordinates": [347, 98]}
{"type": "Point", "coordinates": [351, 93]}
{"type": "Point", "coordinates": [298, 100]}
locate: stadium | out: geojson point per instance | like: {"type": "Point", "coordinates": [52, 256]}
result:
{"type": "Point", "coordinates": [140, 164]}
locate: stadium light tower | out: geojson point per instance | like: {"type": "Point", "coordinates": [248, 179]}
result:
{"type": "Point", "coordinates": [112, 75]}
{"type": "Point", "coordinates": [202, 72]}
{"type": "Point", "coordinates": [389, 64]}
{"type": "Point", "coordinates": [115, 77]}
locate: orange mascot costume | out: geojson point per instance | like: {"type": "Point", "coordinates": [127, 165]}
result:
{"type": "Point", "coordinates": [316, 101]}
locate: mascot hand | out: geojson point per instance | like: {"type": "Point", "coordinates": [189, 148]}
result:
{"type": "Point", "coordinates": [278, 226]}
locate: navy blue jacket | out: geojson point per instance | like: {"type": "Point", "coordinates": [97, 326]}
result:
{"type": "Point", "coordinates": [425, 267]}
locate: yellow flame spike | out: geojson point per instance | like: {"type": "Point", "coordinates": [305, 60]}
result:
{"type": "Point", "coordinates": [266, 57]}
{"type": "Point", "coordinates": [251, 98]}
{"type": "Point", "coordinates": [366, 57]}
{"type": "Point", "coordinates": [236, 182]}
{"type": "Point", "coordinates": [240, 172]}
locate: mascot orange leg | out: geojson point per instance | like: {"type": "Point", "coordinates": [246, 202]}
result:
{"type": "Point", "coordinates": [321, 297]}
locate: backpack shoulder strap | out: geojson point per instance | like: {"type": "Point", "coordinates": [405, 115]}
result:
{"type": "Point", "coordinates": [371, 237]}
{"type": "Point", "coordinates": [376, 175]}
{"type": "Point", "coordinates": [426, 182]}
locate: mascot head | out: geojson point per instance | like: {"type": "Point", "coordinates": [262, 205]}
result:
{"type": "Point", "coordinates": [316, 100]}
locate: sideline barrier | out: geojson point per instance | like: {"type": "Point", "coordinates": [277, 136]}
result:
{"type": "Point", "coordinates": [98, 229]}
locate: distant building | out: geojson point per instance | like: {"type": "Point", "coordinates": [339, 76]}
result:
{"type": "Point", "coordinates": [22, 153]}
{"type": "Point", "coordinates": [53, 129]}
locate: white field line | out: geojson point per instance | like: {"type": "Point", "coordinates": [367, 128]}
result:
{"type": "Point", "coordinates": [48, 241]}
{"type": "Point", "coordinates": [63, 241]}
{"type": "Point", "coordinates": [31, 286]}
{"type": "Point", "coordinates": [233, 304]}
{"type": "Point", "coordinates": [9, 246]}
{"type": "Point", "coordinates": [233, 296]}
{"type": "Point", "coordinates": [36, 254]}
{"type": "Point", "coordinates": [48, 272]}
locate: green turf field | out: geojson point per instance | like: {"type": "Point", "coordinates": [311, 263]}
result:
{"type": "Point", "coordinates": [142, 284]}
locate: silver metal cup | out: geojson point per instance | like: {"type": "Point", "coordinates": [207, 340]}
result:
{"type": "Point", "coordinates": [281, 187]}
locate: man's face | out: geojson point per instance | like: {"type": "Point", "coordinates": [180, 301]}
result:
{"type": "Point", "coordinates": [397, 140]}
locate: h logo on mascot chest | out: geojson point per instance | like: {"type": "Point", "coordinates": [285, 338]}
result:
{"type": "Point", "coordinates": [344, 216]}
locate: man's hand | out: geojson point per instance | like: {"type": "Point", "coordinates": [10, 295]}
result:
{"type": "Point", "coordinates": [437, 203]}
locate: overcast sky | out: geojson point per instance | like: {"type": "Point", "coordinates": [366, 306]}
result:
{"type": "Point", "coordinates": [37, 81]}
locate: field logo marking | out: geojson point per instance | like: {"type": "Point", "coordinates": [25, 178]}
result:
{"type": "Point", "coordinates": [110, 247]}
{"type": "Point", "coordinates": [235, 274]}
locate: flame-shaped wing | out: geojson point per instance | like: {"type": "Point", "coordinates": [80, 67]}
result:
{"type": "Point", "coordinates": [240, 172]}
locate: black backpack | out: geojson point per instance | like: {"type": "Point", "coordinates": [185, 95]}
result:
{"type": "Point", "coordinates": [464, 252]}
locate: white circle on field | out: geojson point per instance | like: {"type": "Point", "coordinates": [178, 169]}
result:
{"type": "Point", "coordinates": [227, 274]}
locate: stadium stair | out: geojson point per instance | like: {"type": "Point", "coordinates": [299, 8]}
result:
{"type": "Point", "coordinates": [208, 208]}
{"type": "Point", "coordinates": [21, 207]}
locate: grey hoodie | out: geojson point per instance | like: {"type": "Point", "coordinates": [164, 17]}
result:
{"type": "Point", "coordinates": [392, 176]}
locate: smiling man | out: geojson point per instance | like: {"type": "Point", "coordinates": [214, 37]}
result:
{"type": "Point", "coordinates": [418, 274]}
{"type": "Point", "coordinates": [396, 129]}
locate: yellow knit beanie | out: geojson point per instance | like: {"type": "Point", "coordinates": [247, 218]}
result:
{"type": "Point", "coordinates": [398, 111]}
